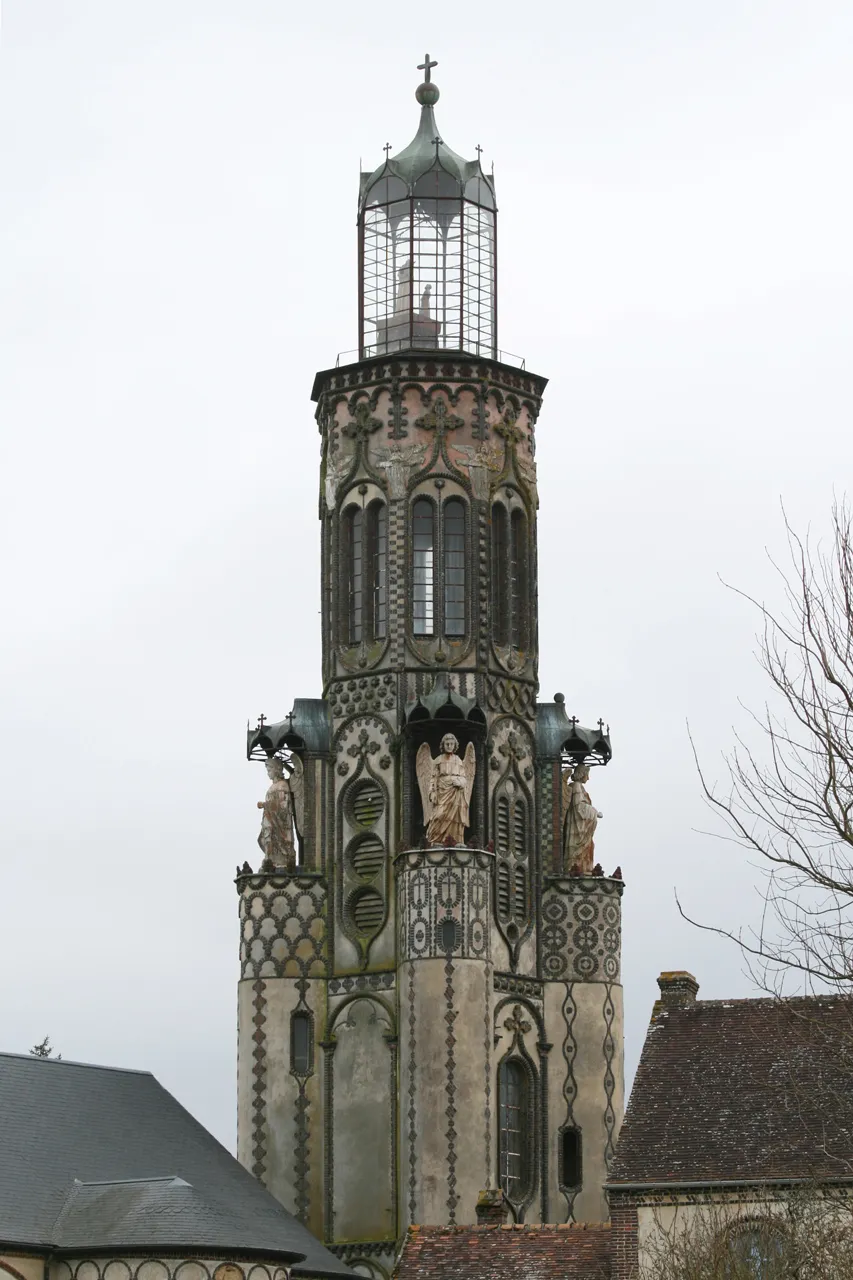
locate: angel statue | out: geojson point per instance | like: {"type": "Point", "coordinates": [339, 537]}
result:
{"type": "Point", "coordinates": [282, 806]}
{"type": "Point", "coordinates": [446, 783]}
{"type": "Point", "coordinates": [580, 819]}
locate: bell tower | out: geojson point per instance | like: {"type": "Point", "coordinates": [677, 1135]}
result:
{"type": "Point", "coordinates": [430, 1000]}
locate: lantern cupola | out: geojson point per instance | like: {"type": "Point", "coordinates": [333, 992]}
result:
{"type": "Point", "coordinates": [427, 228]}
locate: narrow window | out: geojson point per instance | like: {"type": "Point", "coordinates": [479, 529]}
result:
{"type": "Point", "coordinates": [377, 514]}
{"type": "Point", "coordinates": [570, 1158]}
{"type": "Point", "coordinates": [300, 1044]}
{"type": "Point", "coordinates": [499, 575]}
{"type": "Point", "coordinates": [353, 552]}
{"type": "Point", "coordinates": [518, 587]}
{"type": "Point", "coordinates": [423, 541]}
{"type": "Point", "coordinates": [454, 568]}
{"type": "Point", "coordinates": [512, 1125]}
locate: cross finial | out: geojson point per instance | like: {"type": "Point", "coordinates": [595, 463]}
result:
{"type": "Point", "coordinates": [426, 67]}
{"type": "Point", "coordinates": [386, 149]}
{"type": "Point", "coordinates": [437, 142]}
{"type": "Point", "coordinates": [261, 720]}
{"type": "Point", "coordinates": [479, 150]}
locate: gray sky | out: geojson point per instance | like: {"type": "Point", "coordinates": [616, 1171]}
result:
{"type": "Point", "coordinates": [177, 257]}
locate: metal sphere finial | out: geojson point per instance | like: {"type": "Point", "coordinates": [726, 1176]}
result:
{"type": "Point", "coordinates": [427, 94]}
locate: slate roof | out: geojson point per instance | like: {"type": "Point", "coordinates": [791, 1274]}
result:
{"type": "Point", "coordinates": [566, 1252]}
{"type": "Point", "coordinates": [94, 1157]}
{"type": "Point", "coordinates": [741, 1090]}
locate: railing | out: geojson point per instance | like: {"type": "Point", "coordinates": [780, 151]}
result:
{"type": "Point", "coordinates": [504, 357]}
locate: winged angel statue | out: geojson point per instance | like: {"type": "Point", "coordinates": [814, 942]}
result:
{"type": "Point", "coordinates": [446, 783]}
{"type": "Point", "coordinates": [283, 805]}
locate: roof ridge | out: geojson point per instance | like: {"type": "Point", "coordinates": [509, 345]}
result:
{"type": "Point", "coordinates": [71, 1062]}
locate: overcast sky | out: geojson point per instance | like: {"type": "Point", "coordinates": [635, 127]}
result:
{"type": "Point", "coordinates": [177, 259]}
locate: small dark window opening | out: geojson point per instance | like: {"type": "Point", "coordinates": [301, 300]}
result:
{"type": "Point", "coordinates": [301, 1046]}
{"type": "Point", "coordinates": [513, 1156]}
{"type": "Point", "coordinates": [354, 536]}
{"type": "Point", "coordinates": [571, 1171]}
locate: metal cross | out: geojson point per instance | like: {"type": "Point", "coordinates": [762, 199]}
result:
{"type": "Point", "coordinates": [426, 66]}
{"type": "Point", "coordinates": [261, 720]}
{"type": "Point", "coordinates": [386, 149]}
{"type": "Point", "coordinates": [438, 142]}
{"type": "Point", "coordinates": [479, 151]}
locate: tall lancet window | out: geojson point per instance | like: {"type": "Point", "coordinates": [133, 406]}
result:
{"type": "Point", "coordinates": [423, 565]}
{"type": "Point", "coordinates": [513, 1144]}
{"type": "Point", "coordinates": [377, 553]}
{"type": "Point", "coordinates": [354, 554]}
{"type": "Point", "coordinates": [364, 579]}
{"type": "Point", "coordinates": [454, 567]}
{"type": "Point", "coordinates": [519, 581]}
{"type": "Point", "coordinates": [500, 584]}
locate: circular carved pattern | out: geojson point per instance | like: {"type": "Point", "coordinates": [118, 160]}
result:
{"type": "Point", "coordinates": [367, 909]}
{"type": "Point", "coordinates": [611, 939]}
{"type": "Point", "coordinates": [367, 855]}
{"type": "Point", "coordinates": [554, 938]}
{"type": "Point", "coordinates": [611, 968]}
{"type": "Point", "coordinates": [362, 695]}
{"type": "Point", "coordinates": [586, 911]}
{"type": "Point", "coordinates": [610, 914]}
{"type": "Point", "coordinates": [420, 937]}
{"type": "Point", "coordinates": [585, 937]}
{"type": "Point", "coordinates": [555, 965]}
{"type": "Point", "coordinates": [585, 965]}
{"type": "Point", "coordinates": [555, 910]}
{"type": "Point", "coordinates": [365, 804]}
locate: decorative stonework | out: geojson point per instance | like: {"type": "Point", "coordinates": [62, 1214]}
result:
{"type": "Point", "coordinates": [569, 1048]}
{"type": "Point", "coordinates": [282, 926]}
{"type": "Point", "coordinates": [134, 1267]}
{"type": "Point", "coordinates": [515, 985]}
{"type": "Point", "coordinates": [362, 982]}
{"type": "Point", "coordinates": [359, 695]}
{"type": "Point", "coordinates": [511, 697]}
{"type": "Point", "coordinates": [259, 1082]}
{"type": "Point", "coordinates": [581, 929]}
{"type": "Point", "coordinates": [443, 899]}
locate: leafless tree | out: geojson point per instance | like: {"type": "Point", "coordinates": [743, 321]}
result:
{"type": "Point", "coordinates": [808, 1235]}
{"type": "Point", "coordinates": [790, 800]}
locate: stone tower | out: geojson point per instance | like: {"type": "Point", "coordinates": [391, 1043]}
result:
{"type": "Point", "coordinates": [430, 1000]}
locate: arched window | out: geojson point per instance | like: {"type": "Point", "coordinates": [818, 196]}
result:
{"type": "Point", "coordinates": [364, 586]}
{"type": "Point", "coordinates": [353, 584]}
{"type": "Point", "coordinates": [423, 544]}
{"type": "Point", "coordinates": [454, 567]}
{"type": "Point", "coordinates": [500, 611]}
{"type": "Point", "coordinates": [377, 561]}
{"type": "Point", "coordinates": [513, 1136]}
{"type": "Point", "coordinates": [519, 611]}
{"type": "Point", "coordinates": [301, 1046]}
{"type": "Point", "coordinates": [759, 1249]}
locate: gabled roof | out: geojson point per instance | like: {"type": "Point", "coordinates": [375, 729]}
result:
{"type": "Point", "coordinates": [740, 1090]}
{"type": "Point", "coordinates": [95, 1157]}
{"type": "Point", "coordinates": [567, 1252]}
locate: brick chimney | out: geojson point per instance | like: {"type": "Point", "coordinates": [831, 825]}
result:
{"type": "Point", "coordinates": [677, 988]}
{"type": "Point", "coordinates": [491, 1208]}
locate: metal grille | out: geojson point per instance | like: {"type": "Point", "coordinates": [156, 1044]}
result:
{"type": "Point", "coordinates": [379, 513]}
{"type": "Point", "coordinates": [428, 268]}
{"type": "Point", "coordinates": [356, 558]}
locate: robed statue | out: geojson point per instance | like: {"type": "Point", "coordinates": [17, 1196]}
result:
{"type": "Point", "coordinates": [446, 783]}
{"type": "Point", "coordinates": [580, 818]}
{"type": "Point", "coordinates": [283, 807]}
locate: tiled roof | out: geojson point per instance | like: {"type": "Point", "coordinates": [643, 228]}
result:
{"type": "Point", "coordinates": [567, 1252]}
{"type": "Point", "coordinates": [741, 1090]}
{"type": "Point", "coordinates": [97, 1158]}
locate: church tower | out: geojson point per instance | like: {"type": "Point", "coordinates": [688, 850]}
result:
{"type": "Point", "coordinates": [430, 1001]}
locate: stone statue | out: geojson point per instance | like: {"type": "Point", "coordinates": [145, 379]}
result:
{"type": "Point", "coordinates": [282, 806]}
{"type": "Point", "coordinates": [579, 822]}
{"type": "Point", "coordinates": [446, 783]}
